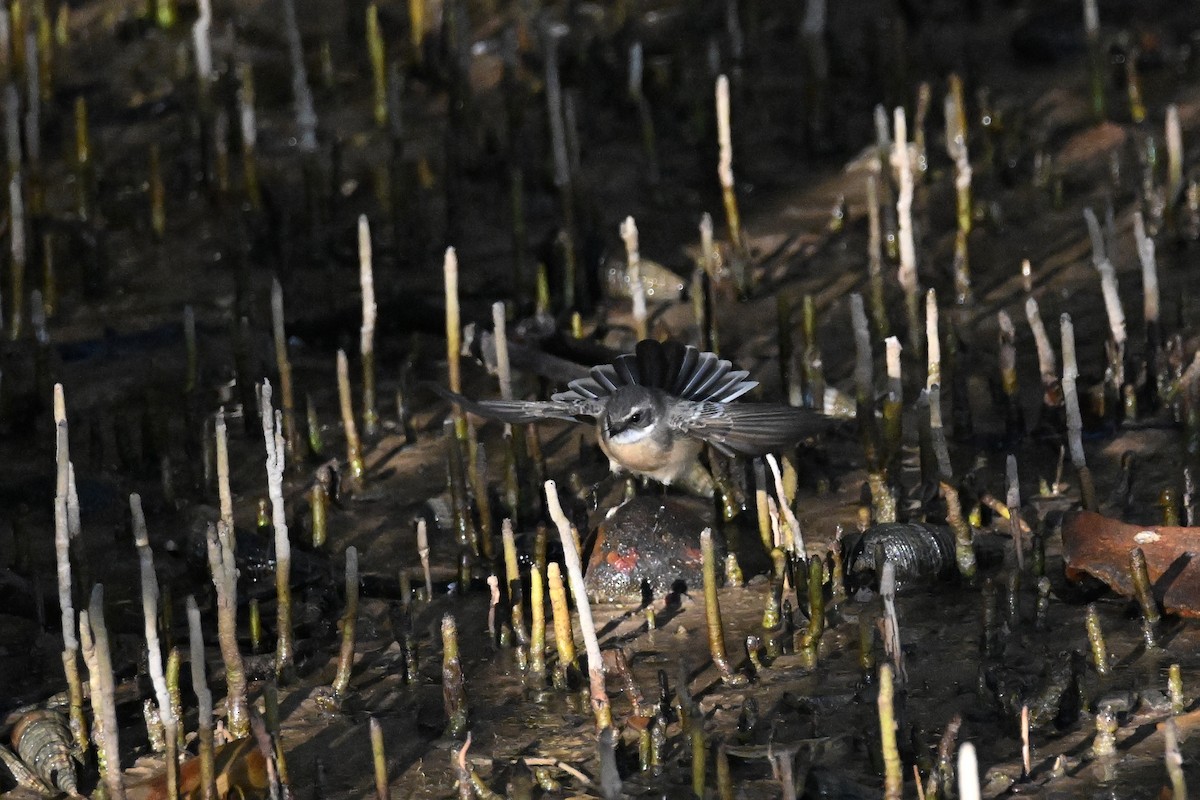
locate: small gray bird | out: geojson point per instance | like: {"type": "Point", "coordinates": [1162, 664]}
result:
{"type": "Point", "coordinates": [654, 410]}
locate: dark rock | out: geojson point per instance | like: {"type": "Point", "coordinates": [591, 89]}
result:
{"type": "Point", "coordinates": [647, 543]}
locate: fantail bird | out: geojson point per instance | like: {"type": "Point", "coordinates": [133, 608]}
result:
{"type": "Point", "coordinates": [655, 409]}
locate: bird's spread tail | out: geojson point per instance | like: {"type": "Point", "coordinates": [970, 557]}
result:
{"type": "Point", "coordinates": [679, 370]}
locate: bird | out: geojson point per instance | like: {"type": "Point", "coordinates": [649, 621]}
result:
{"type": "Point", "coordinates": [656, 408]}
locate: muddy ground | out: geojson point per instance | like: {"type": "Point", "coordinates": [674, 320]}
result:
{"type": "Point", "coordinates": [1040, 156]}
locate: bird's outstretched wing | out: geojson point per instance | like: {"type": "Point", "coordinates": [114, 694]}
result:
{"type": "Point", "coordinates": [523, 411]}
{"type": "Point", "coordinates": [747, 428]}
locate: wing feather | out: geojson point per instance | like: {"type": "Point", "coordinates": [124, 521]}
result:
{"type": "Point", "coordinates": [747, 428]}
{"type": "Point", "coordinates": [525, 411]}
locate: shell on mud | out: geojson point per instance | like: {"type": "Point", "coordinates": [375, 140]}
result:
{"type": "Point", "coordinates": [661, 284]}
{"type": "Point", "coordinates": [21, 775]}
{"type": "Point", "coordinates": [921, 553]}
{"type": "Point", "coordinates": [43, 740]}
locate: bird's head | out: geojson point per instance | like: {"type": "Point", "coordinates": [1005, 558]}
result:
{"type": "Point", "coordinates": [631, 413]}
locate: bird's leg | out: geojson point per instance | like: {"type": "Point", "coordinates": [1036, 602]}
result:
{"type": "Point", "coordinates": [697, 481]}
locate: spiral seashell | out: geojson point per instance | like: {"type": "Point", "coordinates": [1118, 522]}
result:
{"type": "Point", "coordinates": [43, 740]}
{"type": "Point", "coordinates": [20, 773]}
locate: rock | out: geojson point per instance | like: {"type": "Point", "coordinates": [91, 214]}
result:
{"type": "Point", "coordinates": [647, 541]}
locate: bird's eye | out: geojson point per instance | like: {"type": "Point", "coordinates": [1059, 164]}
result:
{"type": "Point", "coordinates": [636, 418]}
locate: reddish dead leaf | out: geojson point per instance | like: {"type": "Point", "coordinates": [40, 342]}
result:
{"type": "Point", "coordinates": [1099, 546]}
{"type": "Point", "coordinates": [1185, 723]}
{"type": "Point", "coordinates": [638, 723]}
{"type": "Point", "coordinates": [240, 770]}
